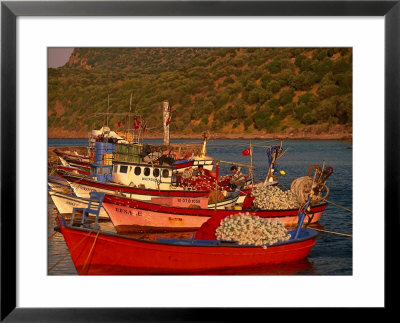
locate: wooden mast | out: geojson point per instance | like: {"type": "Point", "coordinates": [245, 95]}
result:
{"type": "Point", "coordinates": [251, 162]}
{"type": "Point", "coordinates": [166, 115]}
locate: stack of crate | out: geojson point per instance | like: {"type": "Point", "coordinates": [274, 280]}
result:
{"type": "Point", "coordinates": [128, 153]}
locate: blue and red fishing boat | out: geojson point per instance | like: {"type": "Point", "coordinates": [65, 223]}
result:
{"type": "Point", "coordinates": [94, 252]}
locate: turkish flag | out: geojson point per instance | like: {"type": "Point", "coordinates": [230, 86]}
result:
{"type": "Point", "coordinates": [246, 152]}
{"type": "Point", "coordinates": [119, 124]}
{"type": "Point", "coordinates": [168, 121]}
{"type": "Point", "coordinates": [136, 124]}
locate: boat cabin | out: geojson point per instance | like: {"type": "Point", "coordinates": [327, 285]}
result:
{"type": "Point", "coordinates": [144, 175]}
{"type": "Point", "coordinates": [133, 165]}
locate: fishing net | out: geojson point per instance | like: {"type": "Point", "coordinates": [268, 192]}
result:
{"type": "Point", "coordinates": [248, 229]}
{"type": "Point", "coordinates": [273, 198]}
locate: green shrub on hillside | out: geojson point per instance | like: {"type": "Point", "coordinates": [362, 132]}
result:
{"type": "Point", "coordinates": [253, 86]}
{"type": "Point", "coordinates": [274, 67]}
{"type": "Point", "coordinates": [286, 96]}
{"type": "Point", "coordinates": [273, 86]}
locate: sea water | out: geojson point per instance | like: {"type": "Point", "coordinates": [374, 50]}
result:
{"type": "Point", "coordinates": [332, 253]}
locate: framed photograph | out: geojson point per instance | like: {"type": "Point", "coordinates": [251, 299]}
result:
{"type": "Point", "coordinates": [236, 73]}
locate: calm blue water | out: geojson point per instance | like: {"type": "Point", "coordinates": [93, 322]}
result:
{"type": "Point", "coordinates": [332, 254]}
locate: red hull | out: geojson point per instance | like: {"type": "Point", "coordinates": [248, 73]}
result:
{"type": "Point", "coordinates": [130, 215]}
{"type": "Point", "coordinates": [190, 163]}
{"type": "Point", "coordinates": [131, 190]}
{"type": "Point", "coordinates": [72, 170]}
{"type": "Point", "coordinates": [184, 165]}
{"type": "Point", "coordinates": [108, 254]}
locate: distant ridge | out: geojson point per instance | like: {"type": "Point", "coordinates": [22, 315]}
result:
{"type": "Point", "coordinates": [293, 92]}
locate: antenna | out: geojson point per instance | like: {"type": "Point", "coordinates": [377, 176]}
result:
{"type": "Point", "coordinates": [129, 116]}
{"type": "Point", "coordinates": [108, 93]}
{"type": "Point", "coordinates": [108, 106]}
{"type": "Point", "coordinates": [251, 162]}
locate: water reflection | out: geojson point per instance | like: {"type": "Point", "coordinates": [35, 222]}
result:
{"type": "Point", "coordinates": [302, 267]}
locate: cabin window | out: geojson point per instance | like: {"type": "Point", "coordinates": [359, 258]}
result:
{"type": "Point", "coordinates": [146, 171]}
{"type": "Point", "coordinates": [115, 168]}
{"type": "Point", "coordinates": [138, 170]}
{"type": "Point", "coordinates": [156, 172]}
{"type": "Point", "coordinates": [165, 173]}
{"type": "Point", "coordinates": [123, 169]}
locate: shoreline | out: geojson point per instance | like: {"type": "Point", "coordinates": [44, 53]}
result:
{"type": "Point", "coordinates": [343, 137]}
{"type": "Point", "coordinates": [313, 132]}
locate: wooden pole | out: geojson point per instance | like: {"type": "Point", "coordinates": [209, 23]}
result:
{"type": "Point", "coordinates": [216, 184]}
{"type": "Point", "coordinates": [166, 115]}
{"type": "Point", "coordinates": [129, 121]}
{"type": "Point", "coordinates": [251, 162]}
{"type": "Point", "coordinates": [108, 106]}
{"type": "Point", "coordinates": [237, 164]}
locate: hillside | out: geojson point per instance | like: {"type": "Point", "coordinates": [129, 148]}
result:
{"type": "Point", "coordinates": [227, 91]}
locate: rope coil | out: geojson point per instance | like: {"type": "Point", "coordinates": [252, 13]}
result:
{"type": "Point", "coordinates": [314, 186]}
{"type": "Point", "coordinates": [301, 187]}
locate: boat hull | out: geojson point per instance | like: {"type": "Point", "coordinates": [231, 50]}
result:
{"type": "Point", "coordinates": [198, 202]}
{"type": "Point", "coordinates": [130, 215]}
{"type": "Point", "coordinates": [72, 170]}
{"type": "Point", "coordinates": [83, 165]}
{"type": "Point", "coordinates": [96, 253]}
{"type": "Point", "coordinates": [66, 202]}
{"type": "Point", "coordinates": [64, 154]}
{"type": "Point", "coordinates": [182, 165]}
{"type": "Point", "coordinates": [82, 188]}
{"type": "Point", "coordinates": [58, 184]}
{"type": "Point", "coordinates": [130, 219]}
{"type": "Point", "coordinates": [75, 161]}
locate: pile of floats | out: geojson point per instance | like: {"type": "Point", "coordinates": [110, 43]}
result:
{"type": "Point", "coordinates": [235, 221]}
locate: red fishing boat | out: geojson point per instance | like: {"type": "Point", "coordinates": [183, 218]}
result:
{"type": "Point", "coordinates": [77, 157]}
{"type": "Point", "coordinates": [83, 186]}
{"type": "Point", "coordinates": [72, 170]}
{"type": "Point", "coordinates": [141, 180]}
{"type": "Point", "coordinates": [101, 253]}
{"type": "Point", "coordinates": [129, 215]}
{"type": "Point", "coordinates": [73, 160]}
{"type": "Point", "coordinates": [68, 159]}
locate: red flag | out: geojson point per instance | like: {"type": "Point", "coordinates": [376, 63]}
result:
{"type": "Point", "coordinates": [127, 116]}
{"type": "Point", "coordinates": [136, 124]}
{"type": "Point", "coordinates": [168, 121]}
{"type": "Point", "coordinates": [246, 152]}
{"type": "Point", "coordinates": [119, 124]}
{"type": "Point", "coordinates": [144, 127]}
{"type": "Point", "coordinates": [169, 107]}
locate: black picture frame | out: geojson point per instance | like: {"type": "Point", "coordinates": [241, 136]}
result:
{"type": "Point", "coordinates": [10, 10]}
